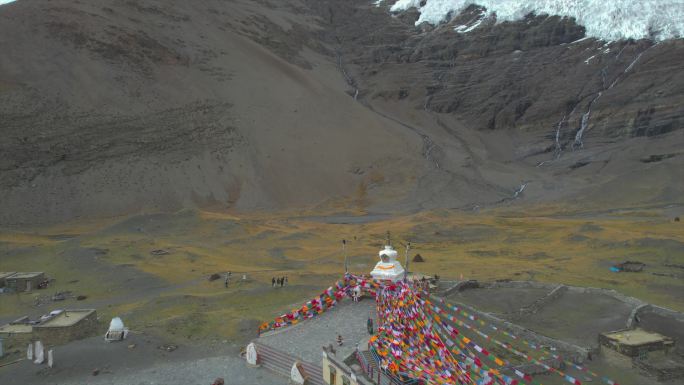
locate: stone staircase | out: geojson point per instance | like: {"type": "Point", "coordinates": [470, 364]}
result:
{"type": "Point", "coordinates": [539, 303]}
{"type": "Point", "coordinates": [281, 363]}
{"type": "Point", "coordinates": [372, 371]}
{"type": "Point", "coordinates": [370, 361]}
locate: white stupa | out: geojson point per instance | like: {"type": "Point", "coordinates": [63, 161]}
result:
{"type": "Point", "coordinates": [388, 268]}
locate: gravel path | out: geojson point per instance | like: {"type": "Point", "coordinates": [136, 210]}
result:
{"type": "Point", "coordinates": [199, 372]}
{"type": "Point", "coordinates": [306, 339]}
{"type": "Point", "coordinates": [139, 361]}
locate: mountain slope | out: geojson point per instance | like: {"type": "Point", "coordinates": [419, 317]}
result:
{"type": "Point", "coordinates": [111, 108]}
{"type": "Point", "coordinates": [557, 112]}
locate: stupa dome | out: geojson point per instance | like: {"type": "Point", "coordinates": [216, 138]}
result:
{"type": "Point", "coordinates": [389, 252]}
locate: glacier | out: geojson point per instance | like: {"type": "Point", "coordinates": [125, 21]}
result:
{"type": "Point", "coordinates": [605, 20]}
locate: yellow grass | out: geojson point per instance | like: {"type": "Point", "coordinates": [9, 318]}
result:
{"type": "Point", "coordinates": [491, 245]}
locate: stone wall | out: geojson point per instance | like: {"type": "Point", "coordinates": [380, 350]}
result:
{"type": "Point", "coordinates": [646, 316]}
{"type": "Point", "coordinates": [664, 321]}
{"type": "Point", "coordinates": [613, 358]}
{"type": "Point", "coordinates": [460, 286]}
{"type": "Point", "coordinates": [661, 373]}
{"type": "Point", "coordinates": [16, 341]}
{"type": "Point", "coordinates": [572, 352]}
{"type": "Point", "coordinates": [543, 301]}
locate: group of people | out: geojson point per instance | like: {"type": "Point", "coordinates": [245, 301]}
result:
{"type": "Point", "coordinates": [423, 283]}
{"type": "Point", "coordinates": [278, 281]}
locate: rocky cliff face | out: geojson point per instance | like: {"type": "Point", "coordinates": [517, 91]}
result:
{"type": "Point", "coordinates": [536, 75]}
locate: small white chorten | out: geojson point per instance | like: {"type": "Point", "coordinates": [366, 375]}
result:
{"type": "Point", "coordinates": [117, 331]}
{"type": "Point", "coordinates": [388, 268]}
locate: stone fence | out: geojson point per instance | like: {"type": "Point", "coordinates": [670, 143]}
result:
{"type": "Point", "coordinates": [647, 316]}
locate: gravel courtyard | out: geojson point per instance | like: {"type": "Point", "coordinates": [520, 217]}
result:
{"type": "Point", "coordinates": [199, 372]}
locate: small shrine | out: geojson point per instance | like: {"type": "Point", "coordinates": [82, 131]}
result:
{"type": "Point", "coordinates": [389, 268]}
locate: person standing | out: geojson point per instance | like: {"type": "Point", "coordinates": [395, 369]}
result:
{"type": "Point", "coordinates": [369, 325]}
{"type": "Point", "coordinates": [286, 279]}
{"type": "Point", "coordinates": [273, 281]}
{"type": "Point", "coordinates": [282, 281]}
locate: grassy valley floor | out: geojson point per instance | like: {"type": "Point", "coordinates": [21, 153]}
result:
{"type": "Point", "coordinates": [168, 293]}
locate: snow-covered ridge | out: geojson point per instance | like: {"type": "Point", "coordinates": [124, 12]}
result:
{"type": "Point", "coordinates": [6, 1]}
{"type": "Point", "coordinates": [604, 19]}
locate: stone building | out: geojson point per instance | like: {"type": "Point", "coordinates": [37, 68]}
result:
{"type": "Point", "coordinates": [635, 342]}
{"type": "Point", "coordinates": [69, 325]}
{"type": "Point", "coordinates": [24, 281]}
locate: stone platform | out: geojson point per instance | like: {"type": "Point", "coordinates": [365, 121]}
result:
{"type": "Point", "coordinates": [306, 339]}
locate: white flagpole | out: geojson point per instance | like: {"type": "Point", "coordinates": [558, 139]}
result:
{"type": "Point", "coordinates": [344, 252]}
{"type": "Point", "coordinates": [408, 247]}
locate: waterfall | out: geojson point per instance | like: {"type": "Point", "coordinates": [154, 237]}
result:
{"type": "Point", "coordinates": [585, 118]}
{"type": "Point", "coordinates": [585, 123]}
{"type": "Point", "coordinates": [519, 190]}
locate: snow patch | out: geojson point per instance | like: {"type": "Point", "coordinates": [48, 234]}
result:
{"type": "Point", "coordinates": [3, 2]}
{"type": "Point", "coordinates": [580, 40]}
{"type": "Point", "coordinates": [467, 28]}
{"type": "Point", "coordinates": [606, 20]}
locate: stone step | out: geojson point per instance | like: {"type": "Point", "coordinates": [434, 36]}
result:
{"type": "Point", "coordinates": [281, 363]}
{"type": "Point", "coordinates": [276, 369]}
{"type": "Point", "coordinates": [369, 358]}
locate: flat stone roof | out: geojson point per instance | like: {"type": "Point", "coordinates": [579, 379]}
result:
{"type": "Point", "coordinates": [635, 337]}
{"type": "Point", "coordinates": [5, 274]}
{"type": "Point", "coordinates": [26, 275]}
{"type": "Point", "coordinates": [66, 318]}
{"type": "Point", "coordinates": [306, 339]}
{"type": "Point", "coordinates": [16, 329]}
